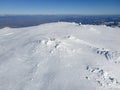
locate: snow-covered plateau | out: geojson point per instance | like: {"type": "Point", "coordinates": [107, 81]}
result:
{"type": "Point", "coordinates": [60, 56]}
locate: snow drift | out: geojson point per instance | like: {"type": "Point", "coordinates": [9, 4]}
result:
{"type": "Point", "coordinates": [60, 56]}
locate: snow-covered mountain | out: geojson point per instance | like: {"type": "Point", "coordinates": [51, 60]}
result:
{"type": "Point", "coordinates": [60, 56]}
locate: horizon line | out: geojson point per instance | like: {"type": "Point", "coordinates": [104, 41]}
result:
{"type": "Point", "coordinates": [58, 14]}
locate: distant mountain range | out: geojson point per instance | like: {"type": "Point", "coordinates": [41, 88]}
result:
{"type": "Point", "coordinates": [16, 21]}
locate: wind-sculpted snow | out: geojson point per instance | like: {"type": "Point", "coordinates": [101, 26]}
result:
{"type": "Point", "coordinates": [60, 56]}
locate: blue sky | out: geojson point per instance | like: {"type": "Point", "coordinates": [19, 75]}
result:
{"type": "Point", "coordinates": [83, 7]}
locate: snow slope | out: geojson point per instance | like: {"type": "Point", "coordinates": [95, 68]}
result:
{"type": "Point", "coordinates": [60, 56]}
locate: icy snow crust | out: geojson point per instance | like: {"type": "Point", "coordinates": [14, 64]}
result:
{"type": "Point", "coordinates": [60, 56]}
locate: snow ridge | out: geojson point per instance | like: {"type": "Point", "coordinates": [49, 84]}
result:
{"type": "Point", "coordinates": [60, 56]}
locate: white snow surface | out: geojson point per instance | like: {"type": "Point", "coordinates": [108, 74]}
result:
{"type": "Point", "coordinates": [60, 56]}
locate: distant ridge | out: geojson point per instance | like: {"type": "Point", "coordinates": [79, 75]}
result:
{"type": "Point", "coordinates": [16, 21]}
